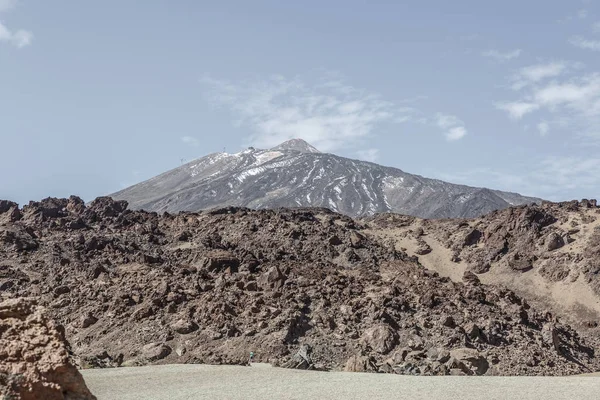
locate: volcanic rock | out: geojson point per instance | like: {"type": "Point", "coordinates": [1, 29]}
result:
{"type": "Point", "coordinates": [34, 357]}
{"type": "Point", "coordinates": [294, 298]}
{"type": "Point", "coordinates": [380, 338]}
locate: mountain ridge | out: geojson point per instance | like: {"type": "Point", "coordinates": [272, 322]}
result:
{"type": "Point", "coordinates": [295, 174]}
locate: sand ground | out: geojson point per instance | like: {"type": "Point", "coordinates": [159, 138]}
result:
{"type": "Point", "coordinates": [179, 382]}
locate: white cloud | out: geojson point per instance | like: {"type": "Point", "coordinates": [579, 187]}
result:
{"type": "Point", "coordinates": [502, 56]}
{"type": "Point", "coordinates": [596, 27]}
{"type": "Point", "coordinates": [192, 141]}
{"type": "Point", "coordinates": [573, 102]}
{"type": "Point", "coordinates": [19, 38]}
{"type": "Point", "coordinates": [368, 155]}
{"type": "Point", "coordinates": [581, 94]}
{"type": "Point", "coordinates": [329, 115]}
{"type": "Point", "coordinates": [587, 44]}
{"type": "Point", "coordinates": [453, 126]}
{"type": "Point", "coordinates": [517, 109]}
{"type": "Point", "coordinates": [446, 121]}
{"type": "Point", "coordinates": [456, 133]}
{"type": "Point", "coordinates": [556, 178]}
{"type": "Point", "coordinates": [543, 128]}
{"type": "Point", "coordinates": [538, 72]}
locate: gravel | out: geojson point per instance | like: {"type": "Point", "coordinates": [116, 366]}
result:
{"type": "Point", "coordinates": [178, 382]}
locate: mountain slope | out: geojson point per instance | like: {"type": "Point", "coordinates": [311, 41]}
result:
{"type": "Point", "coordinates": [548, 253]}
{"type": "Point", "coordinates": [295, 174]}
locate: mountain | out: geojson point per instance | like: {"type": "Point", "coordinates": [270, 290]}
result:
{"type": "Point", "coordinates": [295, 174]}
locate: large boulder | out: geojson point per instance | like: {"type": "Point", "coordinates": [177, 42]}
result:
{"type": "Point", "coordinates": [554, 241]}
{"type": "Point", "coordinates": [272, 279]}
{"type": "Point", "coordinates": [381, 338]}
{"type": "Point", "coordinates": [221, 260]}
{"type": "Point", "coordinates": [34, 361]}
{"type": "Point", "coordinates": [469, 361]}
{"type": "Point", "coordinates": [300, 360]}
{"type": "Point", "coordinates": [155, 351]}
{"type": "Point", "coordinates": [360, 364]}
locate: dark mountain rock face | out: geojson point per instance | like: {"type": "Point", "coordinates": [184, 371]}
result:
{"type": "Point", "coordinates": [295, 174]}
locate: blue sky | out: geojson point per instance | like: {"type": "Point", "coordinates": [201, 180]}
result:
{"type": "Point", "coordinates": [95, 96]}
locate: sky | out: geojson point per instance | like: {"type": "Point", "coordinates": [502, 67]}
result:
{"type": "Point", "coordinates": [99, 95]}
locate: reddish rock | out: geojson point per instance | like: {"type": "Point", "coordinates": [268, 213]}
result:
{"type": "Point", "coordinates": [34, 361]}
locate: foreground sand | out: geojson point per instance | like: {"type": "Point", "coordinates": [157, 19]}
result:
{"type": "Point", "coordinates": [179, 382]}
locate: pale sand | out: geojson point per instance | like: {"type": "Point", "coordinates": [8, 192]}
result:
{"type": "Point", "coordinates": [575, 300]}
{"type": "Point", "coordinates": [179, 382]}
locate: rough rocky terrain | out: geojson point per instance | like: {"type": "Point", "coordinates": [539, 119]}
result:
{"type": "Point", "coordinates": [549, 254]}
{"type": "Point", "coordinates": [295, 174]}
{"type": "Point", "coordinates": [303, 288]}
{"type": "Point", "coordinates": [34, 357]}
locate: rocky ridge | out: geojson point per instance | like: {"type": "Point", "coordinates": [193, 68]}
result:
{"type": "Point", "coordinates": [302, 288]}
{"type": "Point", "coordinates": [548, 253]}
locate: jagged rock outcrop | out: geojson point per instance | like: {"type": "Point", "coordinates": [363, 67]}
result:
{"type": "Point", "coordinates": [133, 288]}
{"type": "Point", "coordinates": [34, 361]}
{"type": "Point", "coordinates": [547, 253]}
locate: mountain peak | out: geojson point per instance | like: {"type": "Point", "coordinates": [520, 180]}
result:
{"type": "Point", "coordinates": [296, 145]}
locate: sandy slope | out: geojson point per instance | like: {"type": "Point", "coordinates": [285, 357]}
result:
{"type": "Point", "coordinates": [228, 382]}
{"type": "Point", "coordinates": [572, 298]}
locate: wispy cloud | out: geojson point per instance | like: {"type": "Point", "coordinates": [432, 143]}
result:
{"type": "Point", "coordinates": [189, 140]}
{"type": "Point", "coordinates": [502, 56]}
{"type": "Point", "coordinates": [596, 27]}
{"type": "Point", "coordinates": [19, 38]}
{"type": "Point", "coordinates": [328, 114]}
{"type": "Point", "coordinates": [586, 44]}
{"type": "Point", "coordinates": [454, 127]}
{"type": "Point", "coordinates": [368, 155]}
{"type": "Point", "coordinates": [517, 109]}
{"type": "Point", "coordinates": [536, 73]}
{"type": "Point", "coordinates": [555, 178]}
{"type": "Point", "coordinates": [573, 101]}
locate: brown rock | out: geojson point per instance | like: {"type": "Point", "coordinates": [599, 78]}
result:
{"type": "Point", "coordinates": [272, 279]}
{"type": "Point", "coordinates": [360, 364]}
{"type": "Point", "coordinates": [550, 336]}
{"type": "Point", "coordinates": [422, 248]}
{"type": "Point", "coordinates": [554, 241]}
{"type": "Point", "coordinates": [473, 331]}
{"type": "Point", "coordinates": [88, 320]}
{"type": "Point", "coordinates": [357, 240]}
{"type": "Point", "coordinates": [155, 351]}
{"type": "Point", "coordinates": [301, 360]}
{"type": "Point", "coordinates": [472, 238]}
{"type": "Point", "coordinates": [381, 338]}
{"type": "Point", "coordinates": [221, 260]}
{"type": "Point", "coordinates": [470, 278]}
{"type": "Point", "coordinates": [335, 241]}
{"type": "Point", "coordinates": [184, 326]}
{"type": "Point", "coordinates": [439, 355]}
{"type": "Point", "coordinates": [471, 359]}
{"type": "Point", "coordinates": [34, 362]}
{"type": "Point", "coordinates": [448, 321]}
